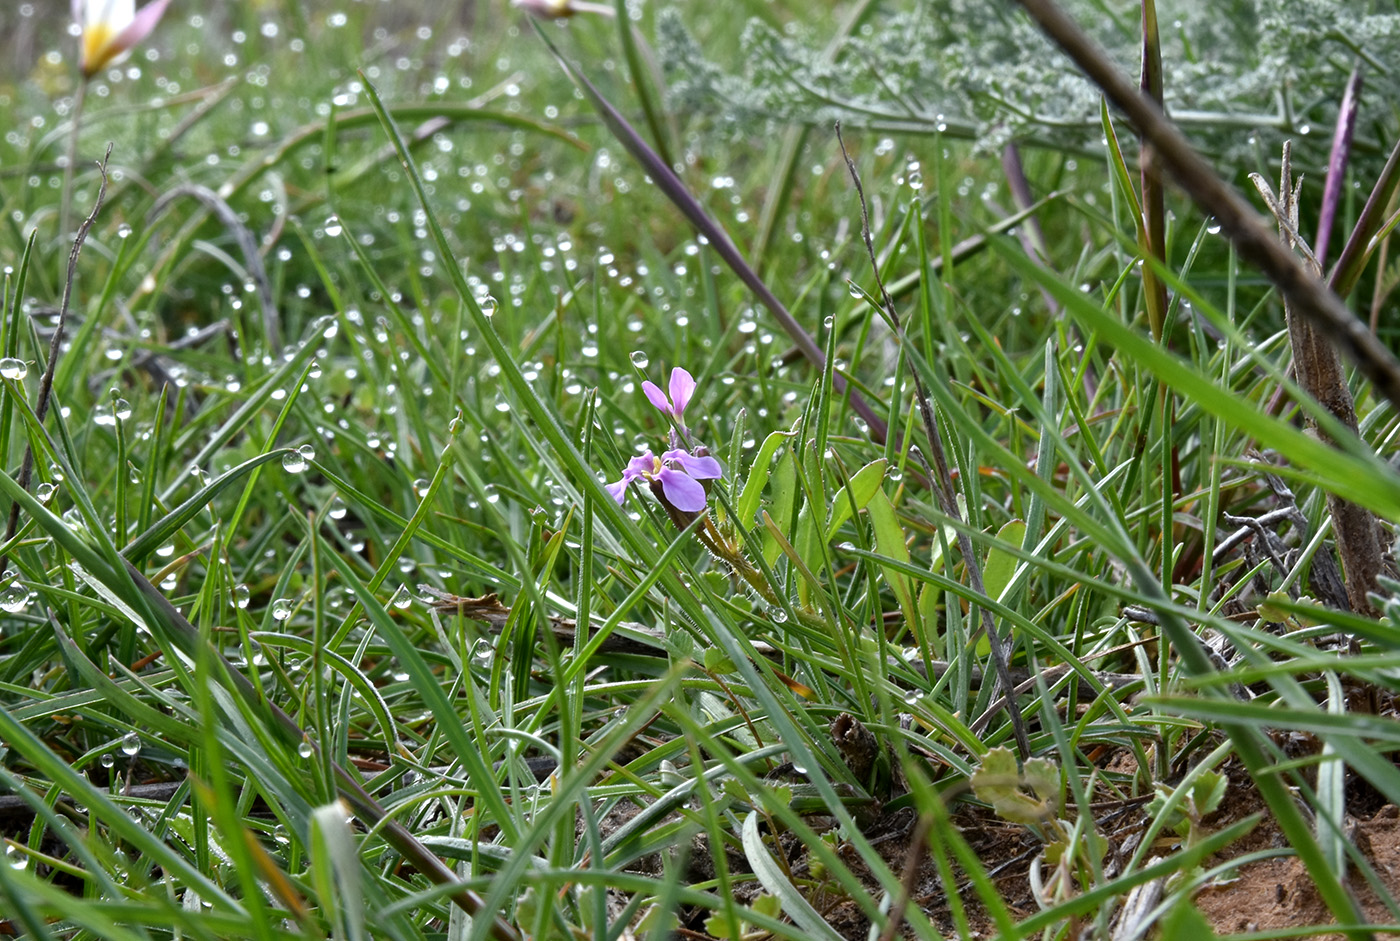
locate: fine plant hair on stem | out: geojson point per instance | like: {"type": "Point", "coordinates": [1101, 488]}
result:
{"type": "Point", "coordinates": [941, 480]}
{"type": "Point", "coordinates": [41, 405]}
{"type": "Point", "coordinates": [1252, 238]}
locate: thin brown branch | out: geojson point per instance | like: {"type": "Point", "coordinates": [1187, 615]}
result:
{"type": "Point", "coordinates": [1250, 234]}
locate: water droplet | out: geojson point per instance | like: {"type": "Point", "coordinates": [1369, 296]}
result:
{"type": "Point", "coordinates": [123, 231]}
{"type": "Point", "coordinates": [778, 615]}
{"type": "Point", "coordinates": [131, 744]}
{"type": "Point", "coordinates": [121, 408]}
{"type": "Point", "coordinates": [333, 226]}
{"type": "Point", "coordinates": [14, 599]}
{"type": "Point", "coordinates": [489, 305]}
{"type": "Point", "coordinates": [305, 750]}
{"type": "Point", "coordinates": [640, 359]}
{"type": "Point", "coordinates": [45, 491]}
{"type": "Point", "coordinates": [293, 462]}
{"type": "Point", "coordinates": [107, 760]}
{"type": "Point", "coordinates": [281, 609]}
{"type": "Point", "coordinates": [455, 426]}
{"type": "Point", "coordinates": [421, 485]}
{"type": "Point", "coordinates": [241, 596]}
{"type": "Point", "coordinates": [11, 368]}
{"type": "Point", "coordinates": [338, 509]}
{"type": "Point", "coordinates": [402, 598]}
{"type": "Point", "coordinates": [1213, 227]}
{"type": "Point", "coordinates": [166, 551]}
{"type": "Point", "coordinates": [133, 474]}
{"type": "Point", "coordinates": [482, 651]}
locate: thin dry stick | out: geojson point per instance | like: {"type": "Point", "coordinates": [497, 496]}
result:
{"type": "Point", "coordinates": [942, 480]}
{"type": "Point", "coordinates": [41, 407]}
{"type": "Point", "coordinates": [1250, 234]}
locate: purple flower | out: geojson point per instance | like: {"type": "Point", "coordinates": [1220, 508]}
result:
{"type": "Point", "coordinates": [677, 472]}
{"type": "Point", "coordinates": [682, 388]}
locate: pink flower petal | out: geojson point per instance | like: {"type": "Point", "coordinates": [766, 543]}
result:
{"type": "Point", "coordinates": [643, 465]}
{"type": "Point", "coordinates": [141, 25]}
{"type": "Point", "coordinates": [656, 397]}
{"type": "Point", "coordinates": [701, 468]}
{"type": "Point", "coordinates": [682, 387]}
{"type": "Point", "coordinates": [618, 489]}
{"type": "Point", "coordinates": [681, 491]}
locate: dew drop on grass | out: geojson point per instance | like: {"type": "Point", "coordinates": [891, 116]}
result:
{"type": "Point", "coordinates": [121, 408]}
{"type": "Point", "coordinates": [16, 857]}
{"type": "Point", "coordinates": [14, 599]}
{"type": "Point", "coordinates": [241, 596]}
{"type": "Point", "coordinates": [640, 359]}
{"type": "Point", "coordinates": [333, 226]}
{"type": "Point", "coordinates": [1213, 227]}
{"type": "Point", "coordinates": [123, 231]}
{"type": "Point", "coordinates": [293, 462]}
{"type": "Point", "coordinates": [11, 368]}
{"type": "Point", "coordinates": [402, 598]}
{"type": "Point", "coordinates": [281, 609]}
{"type": "Point", "coordinates": [421, 485]}
{"type": "Point", "coordinates": [45, 491]}
{"type": "Point", "coordinates": [107, 760]}
{"type": "Point", "coordinates": [304, 750]}
{"type": "Point", "coordinates": [166, 551]}
{"type": "Point", "coordinates": [338, 509]}
{"type": "Point", "coordinates": [131, 744]}
{"type": "Point", "coordinates": [778, 616]}
{"type": "Point", "coordinates": [489, 305]}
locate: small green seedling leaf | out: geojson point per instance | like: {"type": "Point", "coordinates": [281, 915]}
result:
{"type": "Point", "coordinates": [1186, 923]}
{"type": "Point", "coordinates": [998, 782]}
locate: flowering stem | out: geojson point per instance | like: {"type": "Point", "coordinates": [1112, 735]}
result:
{"type": "Point", "coordinates": [65, 212]}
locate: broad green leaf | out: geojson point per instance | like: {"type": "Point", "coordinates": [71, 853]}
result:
{"type": "Point", "coordinates": [759, 470]}
{"type": "Point", "coordinates": [889, 542]}
{"type": "Point", "coordinates": [856, 494]}
{"type": "Point", "coordinates": [1001, 565]}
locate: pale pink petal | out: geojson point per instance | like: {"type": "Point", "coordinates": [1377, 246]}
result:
{"type": "Point", "coordinates": [682, 387]}
{"type": "Point", "coordinates": [640, 466]}
{"type": "Point", "coordinates": [656, 397]}
{"type": "Point", "coordinates": [141, 25]}
{"type": "Point", "coordinates": [618, 489]}
{"type": "Point", "coordinates": [701, 468]}
{"type": "Point", "coordinates": [681, 491]}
